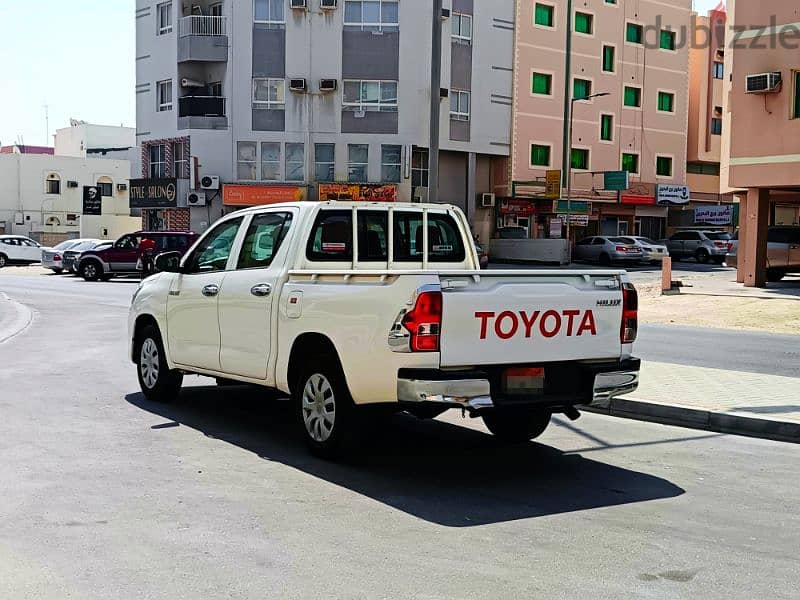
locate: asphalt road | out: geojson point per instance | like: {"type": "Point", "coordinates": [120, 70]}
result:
{"type": "Point", "coordinates": [106, 495]}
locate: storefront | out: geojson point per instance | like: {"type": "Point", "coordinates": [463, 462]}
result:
{"type": "Point", "coordinates": [158, 201]}
{"type": "Point", "coordinates": [359, 192]}
{"type": "Point", "coordinates": [235, 197]}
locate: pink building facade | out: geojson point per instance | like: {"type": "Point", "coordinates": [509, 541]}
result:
{"type": "Point", "coordinates": [638, 54]}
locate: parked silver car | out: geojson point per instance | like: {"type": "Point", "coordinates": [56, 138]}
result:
{"type": "Point", "coordinates": [71, 256]}
{"type": "Point", "coordinates": [703, 246]}
{"type": "Point", "coordinates": [783, 251]}
{"type": "Point", "coordinates": [53, 258]}
{"type": "Point", "coordinates": [652, 252]}
{"type": "Point", "coordinates": [607, 250]}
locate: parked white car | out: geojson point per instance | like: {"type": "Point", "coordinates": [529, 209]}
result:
{"type": "Point", "coordinates": [652, 252]}
{"type": "Point", "coordinates": [348, 305]}
{"type": "Point", "coordinates": [18, 249]}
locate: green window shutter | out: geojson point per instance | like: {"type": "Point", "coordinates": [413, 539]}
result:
{"type": "Point", "coordinates": [797, 95]}
{"type": "Point", "coordinates": [540, 156]}
{"type": "Point", "coordinates": [544, 15]}
{"type": "Point", "coordinates": [581, 88]}
{"type": "Point", "coordinates": [632, 96]}
{"type": "Point", "coordinates": [583, 22]}
{"type": "Point", "coordinates": [608, 59]}
{"type": "Point", "coordinates": [630, 163]}
{"type": "Point", "coordinates": [664, 166]}
{"type": "Point", "coordinates": [580, 158]}
{"type": "Point", "coordinates": [542, 84]}
{"type": "Point", "coordinates": [606, 127]}
{"type": "Point", "coordinates": [633, 33]}
{"type": "Point", "coordinates": [666, 102]}
{"type": "Point", "coordinates": [668, 40]}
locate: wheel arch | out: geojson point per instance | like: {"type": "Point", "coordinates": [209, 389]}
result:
{"type": "Point", "coordinates": [141, 322]}
{"type": "Point", "coordinates": [310, 344]}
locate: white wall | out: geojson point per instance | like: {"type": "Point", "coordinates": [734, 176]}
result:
{"type": "Point", "coordinates": [77, 140]}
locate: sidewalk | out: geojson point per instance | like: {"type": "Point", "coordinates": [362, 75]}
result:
{"type": "Point", "coordinates": [14, 318]}
{"type": "Point", "coordinates": [751, 404]}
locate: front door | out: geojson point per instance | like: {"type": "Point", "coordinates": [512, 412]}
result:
{"type": "Point", "coordinates": [122, 256]}
{"type": "Point", "coordinates": [247, 296]}
{"type": "Point", "coordinates": [192, 319]}
{"type": "Point", "coordinates": [30, 250]}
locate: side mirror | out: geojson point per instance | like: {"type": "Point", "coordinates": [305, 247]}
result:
{"type": "Point", "coordinates": [168, 262]}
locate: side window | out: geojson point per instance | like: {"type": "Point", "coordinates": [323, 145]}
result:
{"type": "Point", "coordinates": [598, 242]}
{"type": "Point", "coordinates": [331, 237]}
{"type": "Point", "coordinates": [695, 236]}
{"type": "Point", "coordinates": [779, 236]}
{"type": "Point", "coordinates": [444, 239]}
{"type": "Point", "coordinates": [129, 242]}
{"type": "Point", "coordinates": [213, 252]}
{"type": "Point", "coordinates": [373, 237]}
{"type": "Point", "coordinates": [263, 240]}
{"type": "Point", "coordinates": [679, 237]}
{"type": "Point", "coordinates": [585, 242]}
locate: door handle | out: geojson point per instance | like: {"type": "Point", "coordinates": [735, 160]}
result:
{"type": "Point", "coordinates": [262, 290]}
{"type": "Point", "coordinates": [210, 291]}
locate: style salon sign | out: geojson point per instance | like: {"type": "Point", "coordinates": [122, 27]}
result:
{"type": "Point", "coordinates": [154, 193]}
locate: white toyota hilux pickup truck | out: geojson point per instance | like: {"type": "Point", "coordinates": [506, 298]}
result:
{"type": "Point", "coordinates": [346, 306]}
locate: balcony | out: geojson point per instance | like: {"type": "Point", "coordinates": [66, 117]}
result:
{"type": "Point", "coordinates": [202, 39]}
{"type": "Point", "coordinates": [202, 112]}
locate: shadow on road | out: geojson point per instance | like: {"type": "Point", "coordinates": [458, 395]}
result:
{"type": "Point", "coordinates": [449, 475]}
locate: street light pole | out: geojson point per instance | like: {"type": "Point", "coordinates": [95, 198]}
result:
{"type": "Point", "coordinates": [436, 102]}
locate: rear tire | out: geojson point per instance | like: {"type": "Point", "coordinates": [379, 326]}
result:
{"type": "Point", "coordinates": [3, 260]}
{"type": "Point", "coordinates": [58, 271]}
{"type": "Point", "coordinates": [326, 414]}
{"type": "Point", "coordinates": [775, 276]}
{"type": "Point", "coordinates": [158, 382]}
{"type": "Point", "coordinates": [516, 426]}
{"type": "Point", "coordinates": [605, 259]}
{"type": "Point", "coordinates": [702, 256]}
{"type": "Point", "coordinates": [91, 270]}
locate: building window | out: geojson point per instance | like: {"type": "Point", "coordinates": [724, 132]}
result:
{"type": "Point", "coordinates": [607, 127]}
{"type": "Point", "coordinates": [461, 27]}
{"type": "Point", "coordinates": [419, 168]}
{"type": "Point", "coordinates": [581, 88]}
{"type": "Point", "coordinates": [580, 158]}
{"type": "Point", "coordinates": [53, 184]}
{"type": "Point", "coordinates": [663, 166]}
{"type": "Point", "coordinates": [246, 161]}
{"type": "Point", "coordinates": [106, 188]}
{"type": "Point", "coordinates": [609, 53]}
{"type": "Point", "coordinates": [543, 15]}
{"type": "Point", "coordinates": [270, 161]}
{"type": "Point", "coordinates": [667, 40]}
{"type": "Point", "coordinates": [180, 160]}
{"type": "Point", "coordinates": [459, 105]}
{"type": "Point", "coordinates": [269, 94]}
{"type": "Point", "coordinates": [295, 162]}
{"type": "Point", "coordinates": [633, 97]}
{"type": "Point", "coordinates": [362, 95]}
{"type": "Point", "coordinates": [164, 17]}
{"type": "Point", "coordinates": [540, 155]}
{"type": "Point", "coordinates": [698, 168]}
{"type": "Point", "coordinates": [716, 126]}
{"type": "Point", "coordinates": [391, 159]}
{"type": "Point", "coordinates": [269, 11]}
{"type": "Point", "coordinates": [634, 33]}
{"type": "Point", "coordinates": [371, 15]}
{"type": "Point", "coordinates": [542, 84]}
{"type": "Point", "coordinates": [164, 92]}
{"type": "Point", "coordinates": [666, 102]}
{"type": "Point", "coordinates": [158, 161]}
{"type": "Point", "coordinates": [630, 163]}
{"type": "Point", "coordinates": [584, 23]}
{"type": "Point", "coordinates": [719, 70]}
{"type": "Point", "coordinates": [357, 163]}
{"type": "Point", "coordinates": [324, 162]}
{"type": "Point", "coordinates": [215, 10]}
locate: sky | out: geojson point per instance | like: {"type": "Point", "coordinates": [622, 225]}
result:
{"type": "Point", "coordinates": [77, 58]}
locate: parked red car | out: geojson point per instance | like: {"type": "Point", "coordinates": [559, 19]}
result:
{"type": "Point", "coordinates": [123, 257]}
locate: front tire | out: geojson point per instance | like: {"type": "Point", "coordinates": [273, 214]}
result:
{"type": "Point", "coordinates": [158, 382]}
{"type": "Point", "coordinates": [91, 270]}
{"type": "Point", "coordinates": [775, 276]}
{"type": "Point", "coordinates": [57, 271]}
{"type": "Point", "coordinates": [3, 260]}
{"type": "Point", "coordinates": [702, 256]}
{"type": "Point", "coordinates": [605, 260]}
{"type": "Point", "coordinates": [516, 426]}
{"type": "Point", "coordinates": [326, 415]}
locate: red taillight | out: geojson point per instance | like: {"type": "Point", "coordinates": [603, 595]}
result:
{"type": "Point", "coordinates": [730, 246]}
{"type": "Point", "coordinates": [621, 249]}
{"type": "Point", "coordinates": [56, 257]}
{"type": "Point", "coordinates": [720, 244]}
{"type": "Point", "coordinates": [630, 314]}
{"type": "Point", "coordinates": [424, 322]}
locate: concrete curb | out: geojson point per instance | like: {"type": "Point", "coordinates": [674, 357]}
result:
{"type": "Point", "coordinates": [696, 418]}
{"type": "Point", "coordinates": [14, 318]}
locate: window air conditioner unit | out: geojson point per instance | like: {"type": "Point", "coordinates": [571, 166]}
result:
{"type": "Point", "coordinates": [196, 199]}
{"type": "Point", "coordinates": [122, 187]}
{"type": "Point", "coordinates": [72, 184]}
{"type": "Point", "coordinates": [327, 85]}
{"type": "Point", "coordinates": [209, 182]}
{"type": "Point", "coordinates": [487, 200]}
{"type": "Point", "coordinates": [298, 4]}
{"type": "Point", "coordinates": [763, 83]}
{"type": "Point", "coordinates": [327, 4]}
{"type": "Point", "coordinates": [445, 13]}
{"type": "Point", "coordinates": [72, 218]}
{"type": "Point", "coordinates": [298, 84]}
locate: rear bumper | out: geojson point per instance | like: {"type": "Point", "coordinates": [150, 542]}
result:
{"type": "Point", "coordinates": [569, 384]}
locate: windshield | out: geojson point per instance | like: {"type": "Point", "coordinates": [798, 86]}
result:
{"type": "Point", "coordinates": [718, 235]}
{"type": "Point", "coordinates": [65, 245]}
{"type": "Point", "coordinates": [644, 240]}
{"type": "Point", "coordinates": [84, 246]}
{"type": "Point", "coordinates": [619, 240]}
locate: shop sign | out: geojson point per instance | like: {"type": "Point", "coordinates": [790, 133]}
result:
{"type": "Point", "coordinates": [640, 200]}
{"type": "Point", "coordinates": [714, 215]}
{"type": "Point", "coordinates": [576, 207]}
{"type": "Point", "coordinates": [360, 192]}
{"type": "Point", "coordinates": [555, 227]}
{"type": "Point", "coordinates": [617, 181]}
{"type": "Point", "coordinates": [515, 206]}
{"type": "Point", "coordinates": [92, 201]}
{"type": "Point", "coordinates": [672, 194]}
{"type": "Point", "coordinates": [553, 184]}
{"type": "Point", "coordinates": [576, 220]}
{"type": "Point", "coordinates": [259, 195]}
{"type": "Point", "coordinates": [154, 193]}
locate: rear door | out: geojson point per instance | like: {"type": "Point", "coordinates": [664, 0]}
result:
{"type": "Point", "coordinates": [30, 250]}
{"type": "Point", "coordinates": [529, 318]}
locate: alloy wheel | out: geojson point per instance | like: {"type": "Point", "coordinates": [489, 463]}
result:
{"type": "Point", "coordinates": [319, 407]}
{"type": "Point", "coordinates": [149, 363]}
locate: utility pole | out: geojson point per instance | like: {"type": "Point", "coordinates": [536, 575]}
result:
{"type": "Point", "coordinates": [567, 98]}
{"type": "Point", "coordinates": [47, 123]}
{"type": "Point", "coordinates": [436, 84]}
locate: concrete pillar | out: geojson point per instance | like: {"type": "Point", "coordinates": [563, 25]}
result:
{"type": "Point", "coordinates": [756, 243]}
{"type": "Point", "coordinates": [472, 194]}
{"type": "Point", "coordinates": [741, 258]}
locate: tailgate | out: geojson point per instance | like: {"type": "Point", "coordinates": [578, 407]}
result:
{"type": "Point", "coordinates": [530, 318]}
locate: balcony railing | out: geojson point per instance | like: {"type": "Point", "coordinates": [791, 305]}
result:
{"type": "Point", "coordinates": [199, 25]}
{"type": "Point", "coordinates": [201, 106]}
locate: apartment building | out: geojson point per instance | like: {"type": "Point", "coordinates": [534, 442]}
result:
{"type": "Point", "coordinates": [636, 54]}
{"type": "Point", "coordinates": [764, 155]}
{"type": "Point", "coordinates": [261, 101]}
